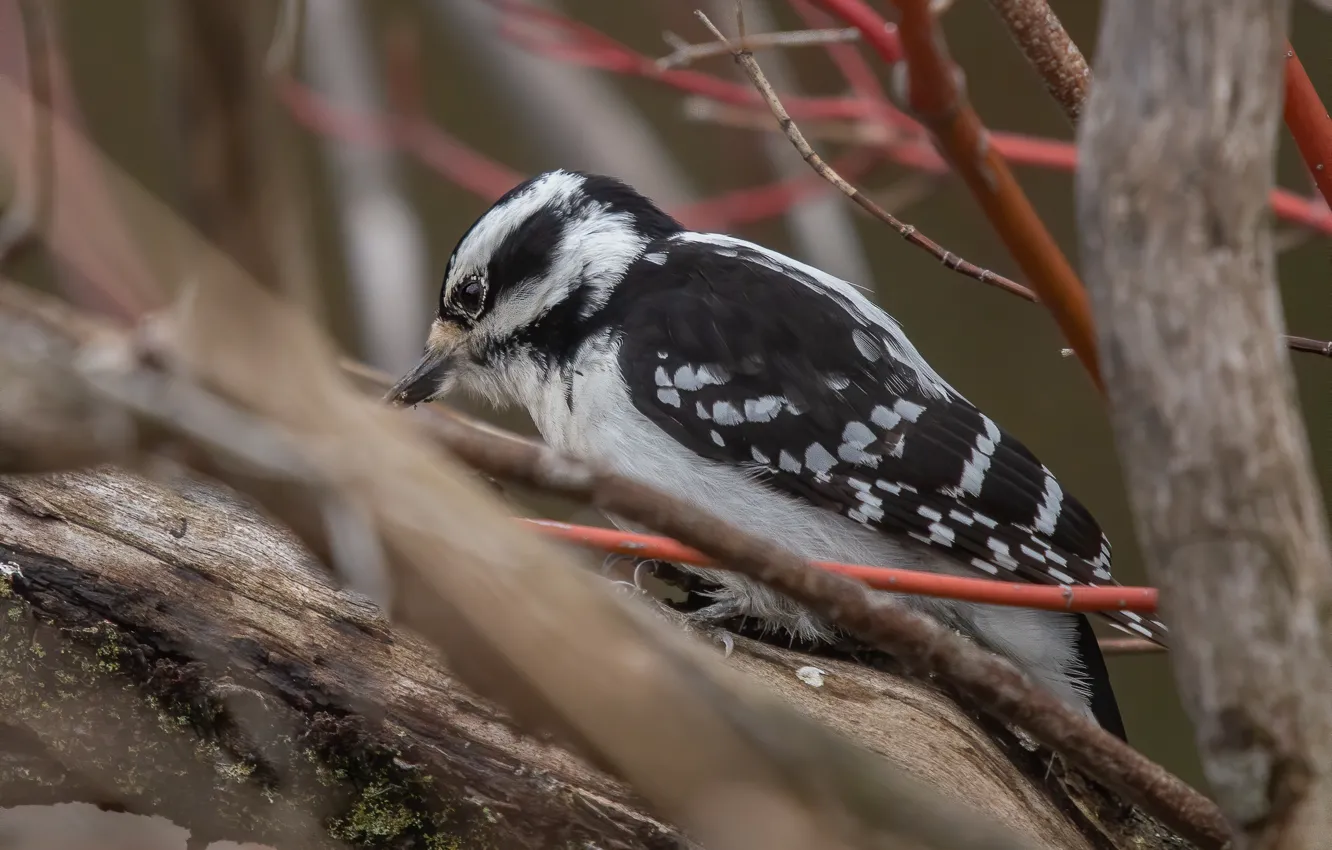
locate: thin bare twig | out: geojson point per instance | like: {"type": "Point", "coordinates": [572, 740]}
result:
{"type": "Point", "coordinates": [281, 55]}
{"type": "Point", "coordinates": [908, 232]}
{"type": "Point", "coordinates": [684, 53]}
{"type": "Point", "coordinates": [1294, 343]}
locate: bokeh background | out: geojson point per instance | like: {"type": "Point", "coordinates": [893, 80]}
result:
{"type": "Point", "coordinates": [527, 112]}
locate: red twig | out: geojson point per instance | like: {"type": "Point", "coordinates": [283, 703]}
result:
{"type": "Point", "coordinates": [937, 99]}
{"type": "Point", "coordinates": [574, 42]}
{"type": "Point", "coordinates": [982, 590]}
{"type": "Point", "coordinates": [410, 131]}
{"type": "Point", "coordinates": [1309, 124]}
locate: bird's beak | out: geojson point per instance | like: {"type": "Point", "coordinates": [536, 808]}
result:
{"type": "Point", "coordinates": [426, 381]}
{"type": "Point", "coordinates": [423, 383]}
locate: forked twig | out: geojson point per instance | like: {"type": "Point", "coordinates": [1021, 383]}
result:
{"type": "Point", "coordinates": [746, 60]}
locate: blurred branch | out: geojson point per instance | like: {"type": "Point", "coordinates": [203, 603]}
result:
{"type": "Point", "coordinates": [1308, 121]}
{"type": "Point", "coordinates": [102, 268]}
{"type": "Point", "coordinates": [241, 180]}
{"type": "Point", "coordinates": [488, 179]}
{"type": "Point", "coordinates": [382, 239]}
{"type": "Point", "coordinates": [684, 53]}
{"type": "Point", "coordinates": [218, 101]}
{"type": "Point", "coordinates": [554, 104]}
{"type": "Point", "coordinates": [28, 213]}
{"type": "Point", "coordinates": [1050, 50]}
{"type": "Point", "coordinates": [909, 233]}
{"type": "Point", "coordinates": [1179, 254]}
{"type": "Point", "coordinates": [567, 41]}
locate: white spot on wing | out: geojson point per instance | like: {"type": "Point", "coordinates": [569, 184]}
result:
{"type": "Point", "coordinates": [711, 374]}
{"type": "Point", "coordinates": [1047, 515]}
{"type": "Point", "coordinates": [867, 497]}
{"type": "Point", "coordinates": [818, 459]}
{"type": "Point", "coordinates": [656, 258]}
{"type": "Point", "coordinates": [663, 380]}
{"type": "Point", "coordinates": [725, 413]}
{"type": "Point", "coordinates": [973, 472]}
{"type": "Point", "coordinates": [1001, 554]}
{"type": "Point", "coordinates": [702, 411]}
{"type": "Point", "coordinates": [1059, 575]}
{"type": "Point", "coordinates": [908, 410]}
{"type": "Point", "coordinates": [763, 409]}
{"type": "Point", "coordinates": [980, 564]}
{"type": "Point", "coordinates": [991, 429]}
{"type": "Point", "coordinates": [941, 534]}
{"type": "Point", "coordinates": [685, 379]}
{"type": "Point", "coordinates": [929, 513]}
{"type": "Point", "coordinates": [759, 457]}
{"type": "Point", "coordinates": [717, 438]}
{"type": "Point", "coordinates": [671, 397]}
{"type": "Point", "coordinates": [786, 461]}
{"type": "Point", "coordinates": [702, 376]}
{"type": "Point", "coordinates": [857, 434]}
{"type": "Point", "coordinates": [885, 418]}
{"type": "Point", "coordinates": [837, 382]}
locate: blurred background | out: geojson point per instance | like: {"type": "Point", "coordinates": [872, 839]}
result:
{"type": "Point", "coordinates": [398, 122]}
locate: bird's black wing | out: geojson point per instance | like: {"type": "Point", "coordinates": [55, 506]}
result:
{"type": "Point", "coordinates": [751, 359]}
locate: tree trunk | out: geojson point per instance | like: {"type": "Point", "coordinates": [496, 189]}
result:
{"type": "Point", "coordinates": [170, 651]}
{"type": "Point", "coordinates": [1177, 157]}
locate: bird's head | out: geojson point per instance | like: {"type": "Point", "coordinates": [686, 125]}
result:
{"type": "Point", "coordinates": [529, 273]}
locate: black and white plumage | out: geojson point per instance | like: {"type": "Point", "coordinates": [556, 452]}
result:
{"type": "Point", "coordinates": [770, 394]}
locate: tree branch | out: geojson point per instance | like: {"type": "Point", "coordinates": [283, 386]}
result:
{"type": "Point", "coordinates": [1050, 50]}
{"type": "Point", "coordinates": [938, 99]}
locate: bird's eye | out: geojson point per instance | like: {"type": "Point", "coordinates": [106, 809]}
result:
{"type": "Point", "coordinates": [470, 296]}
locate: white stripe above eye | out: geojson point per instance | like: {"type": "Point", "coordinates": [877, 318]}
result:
{"type": "Point", "coordinates": [551, 190]}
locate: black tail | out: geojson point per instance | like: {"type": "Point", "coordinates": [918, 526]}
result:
{"type": "Point", "coordinates": [1103, 704]}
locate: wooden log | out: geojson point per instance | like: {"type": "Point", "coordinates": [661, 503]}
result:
{"type": "Point", "coordinates": [168, 650]}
